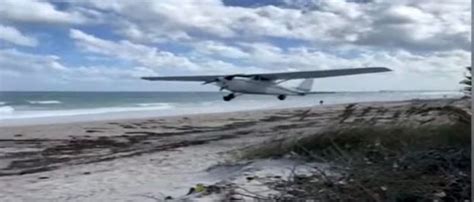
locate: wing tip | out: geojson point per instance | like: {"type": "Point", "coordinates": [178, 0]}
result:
{"type": "Point", "coordinates": [383, 69]}
{"type": "Point", "coordinates": [149, 78]}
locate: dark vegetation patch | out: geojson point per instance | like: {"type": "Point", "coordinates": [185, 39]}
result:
{"type": "Point", "coordinates": [348, 111]}
{"type": "Point", "coordinates": [89, 151]}
{"type": "Point", "coordinates": [53, 154]}
{"type": "Point", "coordinates": [380, 164]}
{"type": "Point", "coordinates": [153, 133]}
{"type": "Point", "coordinates": [365, 111]}
{"type": "Point", "coordinates": [396, 114]}
{"type": "Point", "coordinates": [304, 114]}
{"type": "Point", "coordinates": [382, 110]}
{"type": "Point", "coordinates": [243, 132]}
{"type": "Point", "coordinates": [127, 126]}
{"type": "Point", "coordinates": [273, 118]}
{"type": "Point", "coordinates": [93, 131]}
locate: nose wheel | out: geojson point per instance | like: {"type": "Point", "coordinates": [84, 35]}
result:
{"type": "Point", "coordinates": [282, 97]}
{"type": "Point", "coordinates": [229, 97]}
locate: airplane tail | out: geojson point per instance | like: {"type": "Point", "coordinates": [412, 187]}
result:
{"type": "Point", "coordinates": [305, 86]}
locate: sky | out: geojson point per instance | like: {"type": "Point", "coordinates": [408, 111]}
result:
{"type": "Point", "coordinates": [89, 45]}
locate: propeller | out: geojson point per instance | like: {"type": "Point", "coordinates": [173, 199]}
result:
{"type": "Point", "coordinates": [215, 81]}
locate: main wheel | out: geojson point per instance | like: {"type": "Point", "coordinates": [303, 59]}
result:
{"type": "Point", "coordinates": [229, 97]}
{"type": "Point", "coordinates": [281, 97]}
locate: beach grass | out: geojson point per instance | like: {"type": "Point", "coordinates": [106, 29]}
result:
{"type": "Point", "coordinates": [390, 163]}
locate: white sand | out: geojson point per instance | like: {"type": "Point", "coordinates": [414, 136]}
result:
{"type": "Point", "coordinates": [159, 157]}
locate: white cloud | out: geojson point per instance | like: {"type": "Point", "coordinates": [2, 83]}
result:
{"type": "Point", "coordinates": [409, 25]}
{"type": "Point", "coordinates": [161, 61]}
{"type": "Point", "coordinates": [31, 11]}
{"type": "Point", "coordinates": [12, 60]}
{"type": "Point", "coordinates": [213, 48]}
{"type": "Point", "coordinates": [12, 35]}
{"type": "Point", "coordinates": [438, 71]}
{"type": "Point", "coordinates": [413, 26]}
{"type": "Point", "coordinates": [26, 71]}
{"type": "Point", "coordinates": [447, 64]}
{"type": "Point", "coordinates": [147, 56]}
{"type": "Point", "coordinates": [417, 38]}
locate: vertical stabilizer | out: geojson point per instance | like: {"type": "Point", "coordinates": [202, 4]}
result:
{"type": "Point", "coordinates": [306, 85]}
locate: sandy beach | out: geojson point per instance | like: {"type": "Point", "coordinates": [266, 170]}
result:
{"type": "Point", "coordinates": [150, 159]}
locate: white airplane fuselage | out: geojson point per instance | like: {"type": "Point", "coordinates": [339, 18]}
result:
{"type": "Point", "coordinates": [251, 86]}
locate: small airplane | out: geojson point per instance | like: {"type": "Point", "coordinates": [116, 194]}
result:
{"type": "Point", "coordinates": [268, 83]}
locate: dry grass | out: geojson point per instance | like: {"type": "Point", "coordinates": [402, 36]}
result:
{"type": "Point", "coordinates": [381, 163]}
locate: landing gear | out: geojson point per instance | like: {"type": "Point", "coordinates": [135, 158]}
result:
{"type": "Point", "coordinates": [229, 97]}
{"type": "Point", "coordinates": [281, 97]}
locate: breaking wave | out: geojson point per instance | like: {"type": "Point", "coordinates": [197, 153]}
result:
{"type": "Point", "coordinates": [6, 110]}
{"type": "Point", "coordinates": [163, 105]}
{"type": "Point", "coordinates": [44, 102]}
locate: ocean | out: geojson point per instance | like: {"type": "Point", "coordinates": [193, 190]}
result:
{"type": "Point", "coordinates": [63, 106]}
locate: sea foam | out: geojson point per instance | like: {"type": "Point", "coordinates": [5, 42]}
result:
{"type": "Point", "coordinates": [6, 110]}
{"type": "Point", "coordinates": [44, 102]}
{"type": "Point", "coordinates": [163, 105]}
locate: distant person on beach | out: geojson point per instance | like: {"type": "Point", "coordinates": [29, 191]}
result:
{"type": "Point", "coordinates": [321, 102]}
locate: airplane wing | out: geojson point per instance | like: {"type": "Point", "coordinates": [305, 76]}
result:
{"type": "Point", "coordinates": [323, 73]}
{"type": "Point", "coordinates": [183, 78]}
{"type": "Point", "coordinates": [278, 76]}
